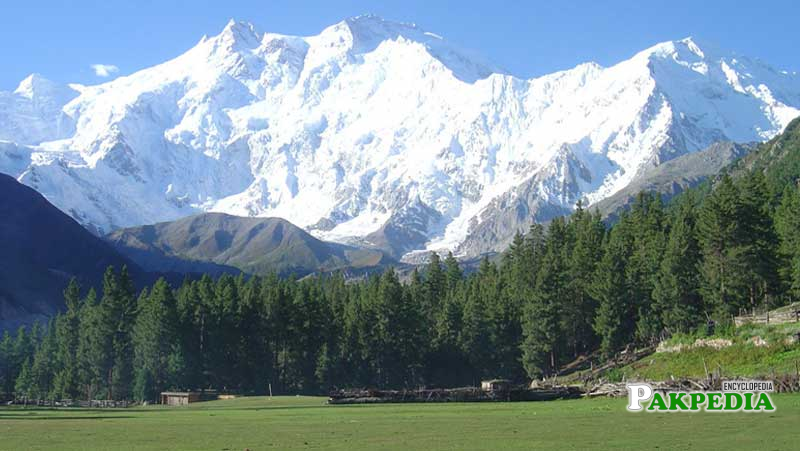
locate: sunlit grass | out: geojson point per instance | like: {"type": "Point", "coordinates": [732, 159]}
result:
{"type": "Point", "coordinates": [308, 423]}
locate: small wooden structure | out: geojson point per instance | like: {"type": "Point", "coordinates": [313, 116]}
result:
{"type": "Point", "coordinates": [179, 398]}
{"type": "Point", "coordinates": [496, 385]}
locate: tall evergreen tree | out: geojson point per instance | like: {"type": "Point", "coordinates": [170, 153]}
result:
{"type": "Point", "coordinates": [757, 240]}
{"type": "Point", "coordinates": [614, 320]}
{"type": "Point", "coordinates": [65, 383]}
{"type": "Point", "coordinates": [474, 336]}
{"type": "Point", "coordinates": [44, 365]}
{"type": "Point", "coordinates": [95, 348]}
{"type": "Point", "coordinates": [645, 226]}
{"type": "Point", "coordinates": [541, 325]}
{"type": "Point", "coordinates": [677, 297]}
{"type": "Point", "coordinates": [436, 284]}
{"type": "Point", "coordinates": [722, 285]}
{"type": "Point", "coordinates": [587, 232]}
{"type": "Point", "coordinates": [25, 386]}
{"type": "Point", "coordinates": [787, 228]}
{"type": "Point", "coordinates": [154, 341]}
{"type": "Point", "coordinates": [453, 273]}
{"type": "Point", "coordinates": [120, 305]}
{"type": "Point", "coordinates": [8, 373]}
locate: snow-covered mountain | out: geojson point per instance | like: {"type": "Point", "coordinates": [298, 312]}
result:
{"type": "Point", "coordinates": [376, 132]}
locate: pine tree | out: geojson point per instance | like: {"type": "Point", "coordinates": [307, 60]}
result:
{"type": "Point", "coordinates": [757, 240]}
{"type": "Point", "coordinates": [25, 342]}
{"type": "Point", "coordinates": [120, 305]}
{"type": "Point", "coordinates": [95, 347]}
{"type": "Point", "coordinates": [7, 371]}
{"type": "Point", "coordinates": [65, 383]}
{"type": "Point", "coordinates": [44, 365]}
{"type": "Point", "coordinates": [645, 227]}
{"type": "Point", "coordinates": [14, 350]}
{"type": "Point", "coordinates": [223, 332]}
{"type": "Point", "coordinates": [787, 226]}
{"type": "Point", "coordinates": [515, 287]}
{"type": "Point", "coordinates": [474, 336]}
{"type": "Point", "coordinates": [723, 288]}
{"type": "Point", "coordinates": [453, 273]}
{"type": "Point", "coordinates": [587, 231]}
{"type": "Point", "coordinates": [23, 349]}
{"type": "Point", "coordinates": [254, 349]}
{"type": "Point", "coordinates": [193, 301]}
{"type": "Point", "coordinates": [24, 387]}
{"type": "Point", "coordinates": [154, 342]}
{"type": "Point", "coordinates": [447, 362]}
{"type": "Point", "coordinates": [614, 320]}
{"type": "Point", "coordinates": [436, 284]}
{"type": "Point", "coordinates": [503, 328]}
{"type": "Point", "coordinates": [677, 297]}
{"type": "Point", "coordinates": [399, 320]}
{"type": "Point", "coordinates": [541, 325]}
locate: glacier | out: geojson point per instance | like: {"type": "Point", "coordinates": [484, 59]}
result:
{"type": "Point", "coordinates": [376, 133]}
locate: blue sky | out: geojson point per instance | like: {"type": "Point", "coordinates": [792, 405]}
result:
{"type": "Point", "coordinates": [62, 40]}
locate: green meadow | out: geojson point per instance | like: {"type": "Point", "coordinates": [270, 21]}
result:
{"type": "Point", "coordinates": [259, 423]}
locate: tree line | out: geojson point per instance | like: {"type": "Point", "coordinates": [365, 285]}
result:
{"type": "Point", "coordinates": [558, 292]}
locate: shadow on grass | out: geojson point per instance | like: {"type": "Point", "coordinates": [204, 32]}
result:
{"type": "Point", "coordinates": [75, 413]}
{"type": "Point", "coordinates": [15, 417]}
{"type": "Point", "coordinates": [214, 408]}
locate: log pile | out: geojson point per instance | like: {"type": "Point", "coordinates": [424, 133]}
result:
{"type": "Point", "coordinates": [464, 394]}
{"type": "Point", "coordinates": [629, 355]}
{"type": "Point", "coordinates": [788, 383]}
{"type": "Point", "coordinates": [609, 389]}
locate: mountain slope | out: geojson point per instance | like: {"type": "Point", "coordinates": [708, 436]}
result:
{"type": "Point", "coordinates": [778, 159]}
{"type": "Point", "coordinates": [254, 245]}
{"type": "Point", "coordinates": [675, 176]}
{"type": "Point", "coordinates": [381, 133]}
{"type": "Point", "coordinates": [41, 249]}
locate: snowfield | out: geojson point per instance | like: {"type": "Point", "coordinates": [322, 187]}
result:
{"type": "Point", "coordinates": [375, 131]}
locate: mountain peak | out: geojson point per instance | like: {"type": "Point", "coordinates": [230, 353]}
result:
{"type": "Point", "coordinates": [377, 24]}
{"type": "Point", "coordinates": [686, 49]}
{"type": "Point", "coordinates": [240, 33]}
{"type": "Point", "coordinates": [363, 34]}
{"type": "Point", "coordinates": [43, 91]}
{"type": "Point", "coordinates": [700, 47]}
{"type": "Point", "coordinates": [34, 84]}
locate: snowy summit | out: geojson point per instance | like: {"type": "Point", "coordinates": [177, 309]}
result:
{"type": "Point", "coordinates": [375, 132]}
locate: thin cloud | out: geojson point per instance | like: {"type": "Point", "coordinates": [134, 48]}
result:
{"type": "Point", "coordinates": [105, 70]}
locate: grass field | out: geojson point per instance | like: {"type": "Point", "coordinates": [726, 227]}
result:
{"type": "Point", "coordinates": [307, 423]}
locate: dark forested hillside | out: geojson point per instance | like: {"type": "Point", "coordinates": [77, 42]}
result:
{"type": "Point", "coordinates": [41, 248]}
{"type": "Point", "coordinates": [578, 286]}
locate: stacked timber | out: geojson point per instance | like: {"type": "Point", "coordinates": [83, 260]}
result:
{"type": "Point", "coordinates": [788, 383]}
{"type": "Point", "coordinates": [464, 394]}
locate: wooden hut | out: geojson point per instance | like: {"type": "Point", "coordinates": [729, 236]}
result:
{"type": "Point", "coordinates": [179, 398]}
